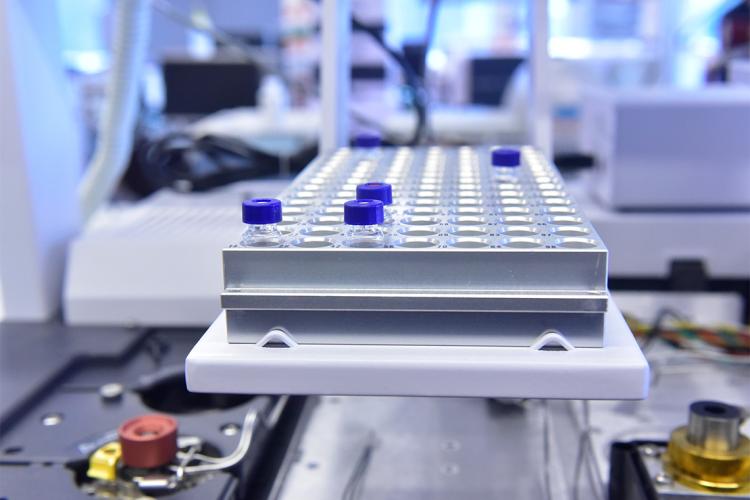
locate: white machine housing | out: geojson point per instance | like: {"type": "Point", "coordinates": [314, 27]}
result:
{"type": "Point", "coordinates": [662, 148]}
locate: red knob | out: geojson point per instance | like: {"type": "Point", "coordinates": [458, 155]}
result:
{"type": "Point", "coordinates": [148, 441]}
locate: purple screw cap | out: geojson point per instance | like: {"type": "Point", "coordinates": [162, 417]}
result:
{"type": "Point", "coordinates": [261, 211]}
{"type": "Point", "coordinates": [375, 191]}
{"type": "Point", "coordinates": [363, 212]}
{"type": "Point", "coordinates": [506, 157]}
{"type": "Point", "coordinates": [367, 141]}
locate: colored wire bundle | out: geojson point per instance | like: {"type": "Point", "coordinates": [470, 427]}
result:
{"type": "Point", "coordinates": [722, 343]}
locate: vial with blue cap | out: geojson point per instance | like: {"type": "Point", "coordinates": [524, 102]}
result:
{"type": "Point", "coordinates": [262, 215]}
{"type": "Point", "coordinates": [364, 219]}
{"type": "Point", "coordinates": [368, 145]}
{"type": "Point", "coordinates": [381, 191]}
{"type": "Point", "coordinates": [506, 161]}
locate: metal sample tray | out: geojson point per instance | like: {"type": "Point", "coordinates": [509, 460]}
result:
{"type": "Point", "coordinates": [460, 224]}
{"type": "Point", "coordinates": [507, 245]}
{"type": "Point", "coordinates": [413, 328]}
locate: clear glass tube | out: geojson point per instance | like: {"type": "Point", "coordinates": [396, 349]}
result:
{"type": "Point", "coordinates": [505, 171]}
{"type": "Point", "coordinates": [262, 235]}
{"type": "Point", "coordinates": [370, 236]}
{"type": "Point", "coordinates": [388, 218]}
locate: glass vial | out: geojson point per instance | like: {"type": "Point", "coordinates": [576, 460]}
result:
{"type": "Point", "coordinates": [364, 219]}
{"type": "Point", "coordinates": [262, 215]}
{"type": "Point", "coordinates": [506, 161]}
{"type": "Point", "coordinates": [378, 191]}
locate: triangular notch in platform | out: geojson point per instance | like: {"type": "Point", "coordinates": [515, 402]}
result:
{"type": "Point", "coordinates": [552, 341]}
{"type": "Point", "coordinates": [277, 338]}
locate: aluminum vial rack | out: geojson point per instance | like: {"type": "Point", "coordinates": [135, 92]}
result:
{"type": "Point", "coordinates": [476, 255]}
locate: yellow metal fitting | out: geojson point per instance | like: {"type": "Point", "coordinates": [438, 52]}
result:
{"type": "Point", "coordinates": [103, 462]}
{"type": "Point", "coordinates": [710, 454]}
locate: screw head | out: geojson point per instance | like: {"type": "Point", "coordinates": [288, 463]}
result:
{"type": "Point", "coordinates": [230, 429]}
{"type": "Point", "coordinates": [650, 451]}
{"type": "Point", "coordinates": [111, 391]}
{"type": "Point", "coordinates": [52, 419]}
{"type": "Point", "coordinates": [662, 478]}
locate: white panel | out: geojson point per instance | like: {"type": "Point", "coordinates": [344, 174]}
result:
{"type": "Point", "coordinates": [41, 160]}
{"type": "Point", "coordinates": [616, 371]}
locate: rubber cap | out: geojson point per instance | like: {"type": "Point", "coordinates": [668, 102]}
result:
{"type": "Point", "coordinates": [367, 141]}
{"type": "Point", "coordinates": [261, 211]}
{"type": "Point", "coordinates": [375, 191]}
{"type": "Point", "coordinates": [363, 212]}
{"type": "Point", "coordinates": [148, 441]}
{"type": "Point", "coordinates": [506, 157]}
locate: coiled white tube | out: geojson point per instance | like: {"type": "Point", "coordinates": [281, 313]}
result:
{"type": "Point", "coordinates": [117, 122]}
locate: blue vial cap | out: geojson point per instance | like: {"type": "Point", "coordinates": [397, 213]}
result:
{"type": "Point", "coordinates": [363, 212]}
{"type": "Point", "coordinates": [506, 157]}
{"type": "Point", "coordinates": [367, 141]}
{"type": "Point", "coordinates": [261, 211]}
{"type": "Point", "coordinates": [375, 191]}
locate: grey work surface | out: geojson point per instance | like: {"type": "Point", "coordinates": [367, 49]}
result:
{"type": "Point", "coordinates": [52, 372]}
{"type": "Point", "coordinates": [33, 354]}
{"type": "Point", "coordinates": [469, 448]}
{"type": "Point", "coordinates": [434, 448]}
{"type": "Point", "coordinates": [473, 448]}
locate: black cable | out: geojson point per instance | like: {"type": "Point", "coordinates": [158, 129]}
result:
{"type": "Point", "coordinates": [412, 79]}
{"type": "Point", "coordinates": [184, 162]}
{"type": "Point", "coordinates": [658, 325]}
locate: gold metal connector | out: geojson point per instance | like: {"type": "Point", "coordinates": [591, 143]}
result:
{"type": "Point", "coordinates": [103, 462]}
{"type": "Point", "coordinates": [709, 453]}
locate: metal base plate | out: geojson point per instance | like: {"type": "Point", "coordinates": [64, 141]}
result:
{"type": "Point", "coordinates": [617, 370]}
{"type": "Point", "coordinates": [415, 328]}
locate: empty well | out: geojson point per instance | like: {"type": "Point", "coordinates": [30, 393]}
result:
{"type": "Point", "coordinates": [423, 211]}
{"type": "Point", "coordinates": [312, 242]}
{"type": "Point", "coordinates": [469, 242]}
{"type": "Point", "coordinates": [300, 202]}
{"type": "Point", "coordinates": [420, 221]}
{"type": "Point", "coordinates": [293, 211]}
{"type": "Point", "coordinates": [320, 231]}
{"type": "Point", "coordinates": [419, 231]}
{"type": "Point", "coordinates": [517, 220]}
{"type": "Point", "coordinates": [467, 211]}
{"type": "Point", "coordinates": [416, 242]}
{"type": "Point", "coordinates": [473, 231]}
{"type": "Point", "coordinates": [576, 243]}
{"type": "Point", "coordinates": [521, 242]}
{"type": "Point", "coordinates": [565, 220]}
{"type": "Point", "coordinates": [519, 230]}
{"type": "Point", "coordinates": [559, 210]}
{"type": "Point", "coordinates": [425, 202]}
{"type": "Point", "coordinates": [556, 201]}
{"type": "Point", "coordinates": [512, 201]}
{"type": "Point", "coordinates": [511, 210]}
{"type": "Point", "coordinates": [468, 220]}
{"type": "Point", "coordinates": [570, 231]}
{"type": "Point", "coordinates": [327, 220]}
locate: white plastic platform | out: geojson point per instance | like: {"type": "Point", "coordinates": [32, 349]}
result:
{"type": "Point", "coordinates": [616, 371]}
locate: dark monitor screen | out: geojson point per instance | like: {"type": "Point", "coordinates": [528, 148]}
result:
{"type": "Point", "coordinates": [490, 77]}
{"type": "Point", "coordinates": [203, 87]}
